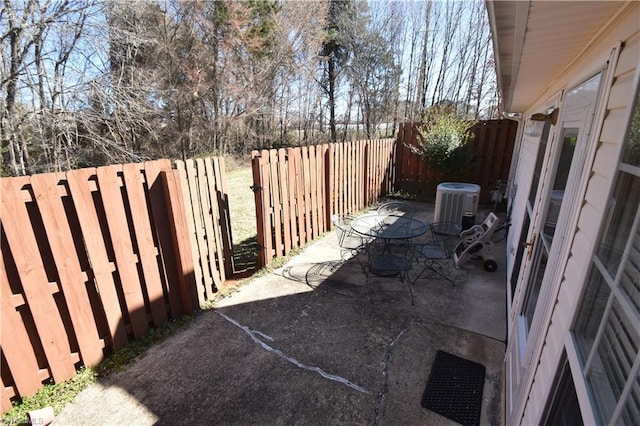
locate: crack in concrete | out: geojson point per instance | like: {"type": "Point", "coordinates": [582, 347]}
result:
{"type": "Point", "coordinates": [253, 334]}
{"type": "Point", "coordinates": [382, 394]}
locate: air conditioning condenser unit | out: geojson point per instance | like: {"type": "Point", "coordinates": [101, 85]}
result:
{"type": "Point", "coordinates": [454, 200]}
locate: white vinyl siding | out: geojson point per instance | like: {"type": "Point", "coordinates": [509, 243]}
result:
{"type": "Point", "coordinates": [593, 207]}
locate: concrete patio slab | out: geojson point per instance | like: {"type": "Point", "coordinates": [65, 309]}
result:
{"type": "Point", "coordinates": [313, 343]}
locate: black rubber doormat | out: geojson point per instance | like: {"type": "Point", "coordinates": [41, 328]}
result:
{"type": "Point", "coordinates": [454, 388]}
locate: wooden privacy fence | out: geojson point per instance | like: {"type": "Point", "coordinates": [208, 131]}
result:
{"type": "Point", "coordinates": [492, 148]}
{"type": "Point", "coordinates": [297, 190]}
{"type": "Point", "coordinates": [92, 258]}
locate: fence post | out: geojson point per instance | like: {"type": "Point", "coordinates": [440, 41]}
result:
{"type": "Point", "coordinates": [260, 207]}
{"type": "Point", "coordinates": [225, 218]}
{"type": "Point", "coordinates": [181, 241]}
{"type": "Point", "coordinates": [329, 170]}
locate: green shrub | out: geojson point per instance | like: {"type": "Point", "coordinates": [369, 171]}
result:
{"type": "Point", "coordinates": [442, 144]}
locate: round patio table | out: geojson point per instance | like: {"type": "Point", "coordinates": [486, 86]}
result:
{"type": "Point", "coordinates": [388, 227]}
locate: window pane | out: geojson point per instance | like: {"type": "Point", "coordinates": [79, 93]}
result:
{"type": "Point", "coordinates": [565, 409]}
{"type": "Point", "coordinates": [632, 149]}
{"type": "Point", "coordinates": [591, 311]}
{"type": "Point", "coordinates": [619, 220]}
{"type": "Point", "coordinates": [607, 328]}
{"type": "Point", "coordinates": [616, 353]}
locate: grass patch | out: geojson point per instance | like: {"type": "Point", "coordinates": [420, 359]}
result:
{"type": "Point", "coordinates": [57, 395]}
{"type": "Point", "coordinates": [242, 210]}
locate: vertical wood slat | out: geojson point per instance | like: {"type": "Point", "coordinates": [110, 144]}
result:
{"type": "Point", "coordinates": [268, 212]}
{"type": "Point", "coordinates": [52, 211]}
{"type": "Point", "coordinates": [258, 191]}
{"type": "Point", "coordinates": [313, 191]}
{"type": "Point", "coordinates": [330, 184]}
{"type": "Point", "coordinates": [136, 197]}
{"type": "Point", "coordinates": [110, 184]}
{"type": "Point", "coordinates": [160, 219]}
{"type": "Point", "coordinates": [216, 233]}
{"type": "Point", "coordinates": [182, 244]}
{"type": "Point", "coordinates": [6, 393]}
{"type": "Point", "coordinates": [318, 169]}
{"type": "Point", "coordinates": [25, 252]}
{"type": "Point", "coordinates": [306, 179]}
{"type": "Point", "coordinates": [302, 187]}
{"type": "Point", "coordinates": [300, 201]}
{"type": "Point", "coordinates": [201, 255]}
{"type": "Point", "coordinates": [224, 215]}
{"type": "Point", "coordinates": [282, 178]}
{"type": "Point", "coordinates": [189, 192]}
{"type": "Point", "coordinates": [274, 203]}
{"type": "Point", "coordinates": [293, 211]}
{"type": "Point", "coordinates": [16, 347]}
{"type": "Point", "coordinates": [102, 268]}
{"type": "Point", "coordinates": [208, 234]}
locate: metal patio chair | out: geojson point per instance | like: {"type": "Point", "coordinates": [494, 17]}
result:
{"type": "Point", "coordinates": [396, 208]}
{"type": "Point", "coordinates": [390, 259]}
{"type": "Point", "coordinates": [350, 242]}
{"type": "Point", "coordinates": [432, 254]}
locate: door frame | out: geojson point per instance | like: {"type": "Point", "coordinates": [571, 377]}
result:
{"type": "Point", "coordinates": [518, 392]}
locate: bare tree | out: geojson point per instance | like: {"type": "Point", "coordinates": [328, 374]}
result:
{"type": "Point", "coordinates": [91, 82]}
{"type": "Point", "coordinates": [38, 38]}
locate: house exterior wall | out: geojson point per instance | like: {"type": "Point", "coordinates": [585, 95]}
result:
{"type": "Point", "coordinates": [529, 388]}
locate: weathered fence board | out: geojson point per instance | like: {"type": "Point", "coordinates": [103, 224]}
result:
{"type": "Point", "coordinates": [144, 241]}
{"type": "Point", "coordinates": [220, 186]}
{"type": "Point", "coordinates": [207, 210]}
{"type": "Point", "coordinates": [18, 350]}
{"type": "Point", "coordinates": [93, 258]}
{"type": "Point", "coordinates": [80, 184]}
{"type": "Point", "coordinates": [110, 184]}
{"type": "Point", "coordinates": [38, 292]}
{"type": "Point", "coordinates": [71, 277]}
{"type": "Point", "coordinates": [160, 215]}
{"type": "Point", "coordinates": [182, 245]}
{"type": "Point", "coordinates": [217, 244]}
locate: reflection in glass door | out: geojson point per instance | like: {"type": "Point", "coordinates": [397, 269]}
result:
{"type": "Point", "coordinates": [558, 184]}
{"type": "Point", "coordinates": [533, 190]}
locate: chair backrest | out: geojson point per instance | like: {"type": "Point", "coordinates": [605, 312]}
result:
{"type": "Point", "coordinates": [347, 237]}
{"type": "Point", "coordinates": [397, 208]}
{"type": "Point", "coordinates": [396, 255]}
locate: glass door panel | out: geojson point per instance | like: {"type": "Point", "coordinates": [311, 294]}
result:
{"type": "Point", "coordinates": [558, 183]}
{"type": "Point", "coordinates": [540, 261]}
{"type": "Point", "coordinates": [569, 139]}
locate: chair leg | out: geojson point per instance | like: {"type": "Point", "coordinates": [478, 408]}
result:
{"type": "Point", "coordinates": [432, 269]}
{"type": "Point", "coordinates": [410, 287]}
{"type": "Point", "coordinates": [404, 277]}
